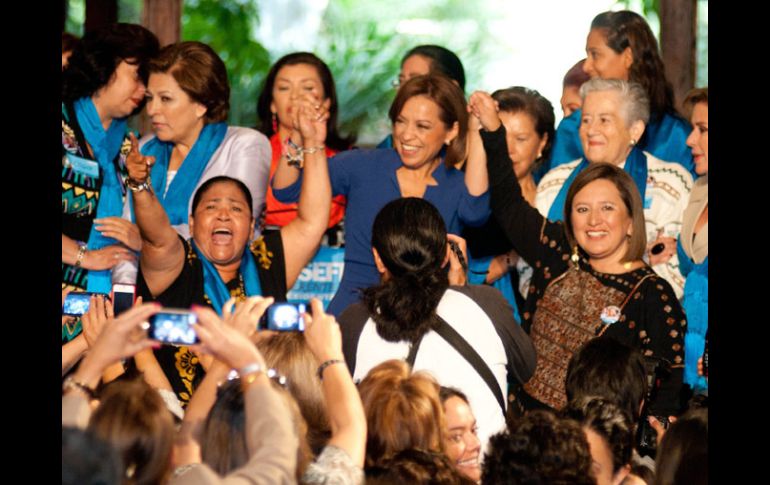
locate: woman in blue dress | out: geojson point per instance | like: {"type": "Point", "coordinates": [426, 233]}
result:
{"type": "Point", "coordinates": [430, 125]}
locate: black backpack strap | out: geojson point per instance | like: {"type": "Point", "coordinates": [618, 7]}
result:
{"type": "Point", "coordinates": [474, 359]}
{"type": "Point", "coordinates": [413, 348]}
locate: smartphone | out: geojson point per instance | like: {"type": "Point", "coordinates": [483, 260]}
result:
{"type": "Point", "coordinates": [174, 326]}
{"type": "Point", "coordinates": [123, 297]}
{"type": "Point", "coordinates": [459, 253]}
{"type": "Point", "coordinates": [77, 302]}
{"type": "Point", "coordinates": [284, 317]}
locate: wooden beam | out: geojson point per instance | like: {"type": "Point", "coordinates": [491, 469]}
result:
{"type": "Point", "coordinates": [164, 19]}
{"type": "Point", "coordinates": [678, 30]}
{"type": "Point", "coordinates": [100, 13]}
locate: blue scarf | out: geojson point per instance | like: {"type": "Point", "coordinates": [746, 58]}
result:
{"type": "Point", "coordinates": [176, 201]}
{"type": "Point", "coordinates": [105, 146]}
{"type": "Point", "coordinates": [216, 289]}
{"type": "Point", "coordinates": [636, 166]}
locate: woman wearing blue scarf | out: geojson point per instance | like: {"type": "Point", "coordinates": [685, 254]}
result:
{"type": "Point", "coordinates": [103, 84]}
{"type": "Point", "coordinates": [621, 45]}
{"type": "Point", "coordinates": [188, 99]}
{"type": "Point", "coordinates": [221, 260]}
{"type": "Point", "coordinates": [614, 117]}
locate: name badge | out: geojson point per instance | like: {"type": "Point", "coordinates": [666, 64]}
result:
{"type": "Point", "coordinates": [610, 314]}
{"type": "Point", "coordinates": [84, 166]}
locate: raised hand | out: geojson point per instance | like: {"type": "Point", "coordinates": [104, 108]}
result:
{"type": "Point", "coordinates": [322, 333]}
{"type": "Point", "coordinates": [484, 108]}
{"type": "Point", "coordinates": [457, 270]}
{"type": "Point", "coordinates": [310, 115]}
{"type": "Point", "coordinates": [224, 342]}
{"type": "Point", "coordinates": [120, 229]}
{"type": "Point", "coordinates": [246, 314]}
{"type": "Point", "coordinates": [138, 165]}
{"type": "Point", "coordinates": [100, 314]}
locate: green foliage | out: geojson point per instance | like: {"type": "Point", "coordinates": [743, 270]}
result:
{"type": "Point", "coordinates": [226, 25]}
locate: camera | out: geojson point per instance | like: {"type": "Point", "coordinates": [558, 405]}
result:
{"type": "Point", "coordinates": [77, 303]}
{"type": "Point", "coordinates": [174, 327]}
{"type": "Point", "coordinates": [656, 370]}
{"type": "Point", "coordinates": [284, 317]}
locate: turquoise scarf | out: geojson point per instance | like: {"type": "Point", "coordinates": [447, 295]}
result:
{"type": "Point", "coordinates": [215, 288]}
{"type": "Point", "coordinates": [636, 166]}
{"type": "Point", "coordinates": [105, 146]}
{"type": "Point", "coordinates": [176, 201]}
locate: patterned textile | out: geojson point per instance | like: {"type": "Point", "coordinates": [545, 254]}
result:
{"type": "Point", "coordinates": [79, 200]}
{"type": "Point", "coordinates": [333, 467]}
{"type": "Point", "coordinates": [181, 366]}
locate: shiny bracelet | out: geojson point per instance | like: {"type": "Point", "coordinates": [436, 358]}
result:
{"type": "Point", "coordinates": [326, 364]}
{"type": "Point", "coordinates": [298, 159]}
{"type": "Point", "coordinates": [313, 150]}
{"type": "Point", "coordinates": [136, 186]}
{"type": "Point", "coordinates": [82, 248]}
{"type": "Point", "coordinates": [70, 383]}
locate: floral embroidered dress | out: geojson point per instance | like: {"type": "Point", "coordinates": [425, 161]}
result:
{"type": "Point", "coordinates": [181, 366]}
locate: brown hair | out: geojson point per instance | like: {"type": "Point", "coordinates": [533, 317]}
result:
{"type": "Point", "coordinates": [288, 353]}
{"type": "Point", "coordinates": [402, 410]}
{"type": "Point", "coordinates": [134, 419]}
{"type": "Point", "coordinates": [200, 73]}
{"type": "Point", "coordinates": [693, 97]}
{"type": "Point", "coordinates": [629, 194]}
{"type": "Point", "coordinates": [452, 108]}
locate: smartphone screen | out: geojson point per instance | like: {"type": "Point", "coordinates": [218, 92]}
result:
{"type": "Point", "coordinates": [284, 317]}
{"type": "Point", "coordinates": [174, 327]}
{"type": "Point", "coordinates": [122, 297]}
{"type": "Point", "coordinates": [76, 303]}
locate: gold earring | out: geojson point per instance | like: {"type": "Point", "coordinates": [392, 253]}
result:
{"type": "Point", "coordinates": [575, 256]}
{"type": "Point", "coordinates": [632, 143]}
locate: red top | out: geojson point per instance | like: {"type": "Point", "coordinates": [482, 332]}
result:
{"type": "Point", "coordinates": [279, 214]}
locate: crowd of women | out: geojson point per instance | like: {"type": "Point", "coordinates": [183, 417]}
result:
{"type": "Point", "coordinates": [487, 254]}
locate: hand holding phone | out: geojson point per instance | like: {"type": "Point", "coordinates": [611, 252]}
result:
{"type": "Point", "coordinates": [76, 303]}
{"type": "Point", "coordinates": [284, 317]}
{"type": "Point", "coordinates": [174, 326]}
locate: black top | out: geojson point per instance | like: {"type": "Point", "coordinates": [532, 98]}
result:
{"type": "Point", "coordinates": [181, 366]}
{"type": "Point", "coordinates": [652, 320]}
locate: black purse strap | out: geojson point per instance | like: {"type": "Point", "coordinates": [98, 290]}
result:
{"type": "Point", "coordinates": [474, 359]}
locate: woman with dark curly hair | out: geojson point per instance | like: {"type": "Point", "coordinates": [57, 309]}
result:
{"type": "Point", "coordinates": [539, 448]}
{"type": "Point", "coordinates": [102, 85]}
{"type": "Point", "coordinates": [413, 313]}
{"type": "Point", "coordinates": [621, 45]}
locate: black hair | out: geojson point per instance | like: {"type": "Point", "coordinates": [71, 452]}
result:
{"type": "Point", "coordinates": [222, 179]}
{"type": "Point", "coordinates": [410, 236]}
{"type": "Point", "coordinates": [334, 139]}
{"type": "Point", "coordinates": [609, 421]}
{"type": "Point", "coordinates": [610, 369]}
{"type": "Point", "coordinates": [448, 392]}
{"type": "Point", "coordinates": [538, 449]}
{"type": "Point", "coordinates": [520, 99]}
{"type": "Point", "coordinates": [442, 60]}
{"type": "Point", "coordinates": [86, 459]}
{"type": "Point", "coordinates": [97, 55]}
{"type": "Point", "coordinates": [683, 453]}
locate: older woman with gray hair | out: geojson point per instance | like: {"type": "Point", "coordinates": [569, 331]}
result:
{"type": "Point", "coordinates": [589, 280]}
{"type": "Point", "coordinates": [615, 114]}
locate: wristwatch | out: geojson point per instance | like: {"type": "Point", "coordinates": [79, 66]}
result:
{"type": "Point", "coordinates": [135, 186]}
